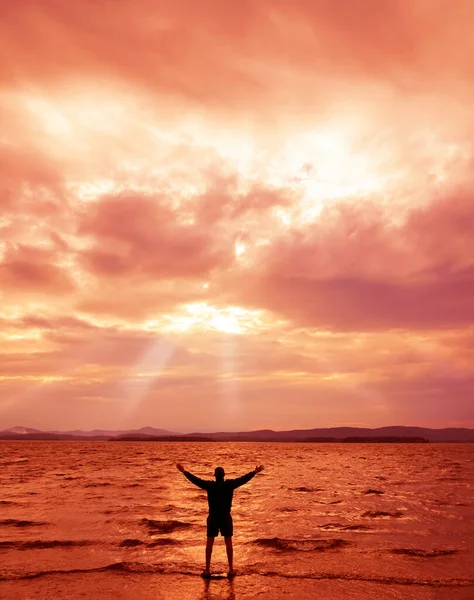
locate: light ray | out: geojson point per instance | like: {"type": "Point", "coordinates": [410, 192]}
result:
{"type": "Point", "coordinates": [227, 381]}
{"type": "Point", "coordinates": [143, 374]}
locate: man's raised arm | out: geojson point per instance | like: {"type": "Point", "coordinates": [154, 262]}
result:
{"type": "Point", "coordinates": [202, 483]}
{"type": "Point", "coordinates": [245, 478]}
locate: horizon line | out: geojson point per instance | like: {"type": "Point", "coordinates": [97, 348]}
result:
{"type": "Point", "coordinates": [229, 431]}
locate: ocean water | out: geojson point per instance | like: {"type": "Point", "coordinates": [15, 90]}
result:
{"type": "Point", "coordinates": [109, 519]}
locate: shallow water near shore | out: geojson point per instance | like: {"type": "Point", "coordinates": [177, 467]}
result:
{"type": "Point", "coordinates": [98, 520]}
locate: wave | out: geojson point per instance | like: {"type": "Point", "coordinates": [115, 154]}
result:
{"type": "Point", "coordinates": [382, 513]}
{"type": "Point", "coordinates": [7, 502]}
{"type": "Point", "coordinates": [21, 523]}
{"type": "Point", "coordinates": [42, 545]}
{"type": "Point", "coordinates": [99, 484]}
{"type": "Point", "coordinates": [303, 488]}
{"type": "Point", "coordinates": [48, 544]}
{"type": "Point", "coordinates": [423, 553]}
{"type": "Point", "coordinates": [163, 542]}
{"type": "Point", "coordinates": [163, 526]}
{"type": "Point", "coordinates": [342, 527]}
{"type": "Point", "coordinates": [137, 567]}
{"type": "Point", "coordinates": [316, 545]}
{"type": "Point", "coordinates": [16, 461]}
{"type": "Point", "coordinates": [133, 543]}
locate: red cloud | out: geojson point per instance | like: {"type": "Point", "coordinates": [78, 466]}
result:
{"type": "Point", "coordinates": [30, 185]}
{"type": "Point", "coordinates": [361, 305]}
{"type": "Point", "coordinates": [28, 268]}
{"type": "Point", "coordinates": [238, 54]}
{"type": "Point", "coordinates": [141, 235]}
{"type": "Point", "coordinates": [354, 269]}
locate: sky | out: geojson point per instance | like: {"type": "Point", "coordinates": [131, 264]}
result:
{"type": "Point", "coordinates": [220, 216]}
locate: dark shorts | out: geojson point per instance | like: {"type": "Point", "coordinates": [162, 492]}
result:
{"type": "Point", "coordinates": [223, 525]}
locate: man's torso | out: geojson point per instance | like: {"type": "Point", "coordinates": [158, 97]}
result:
{"type": "Point", "coordinates": [219, 497]}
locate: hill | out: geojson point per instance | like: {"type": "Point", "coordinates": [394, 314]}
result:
{"type": "Point", "coordinates": [333, 434]}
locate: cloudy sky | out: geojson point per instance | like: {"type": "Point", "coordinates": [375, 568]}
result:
{"type": "Point", "coordinates": [221, 215]}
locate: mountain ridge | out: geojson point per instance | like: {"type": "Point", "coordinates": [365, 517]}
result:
{"type": "Point", "coordinates": [447, 434]}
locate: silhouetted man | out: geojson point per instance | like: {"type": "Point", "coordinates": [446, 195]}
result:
{"type": "Point", "coordinates": [219, 497]}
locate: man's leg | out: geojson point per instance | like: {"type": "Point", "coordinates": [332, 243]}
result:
{"type": "Point", "coordinates": [209, 545]}
{"type": "Point", "coordinates": [212, 531]}
{"type": "Point", "coordinates": [230, 553]}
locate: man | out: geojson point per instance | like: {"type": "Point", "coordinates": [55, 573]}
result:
{"type": "Point", "coordinates": [219, 497]}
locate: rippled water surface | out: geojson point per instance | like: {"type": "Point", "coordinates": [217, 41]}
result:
{"type": "Point", "coordinates": [388, 514]}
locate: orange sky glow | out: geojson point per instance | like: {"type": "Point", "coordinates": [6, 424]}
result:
{"type": "Point", "coordinates": [236, 215]}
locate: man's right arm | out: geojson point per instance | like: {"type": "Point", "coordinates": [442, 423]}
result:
{"type": "Point", "coordinates": [201, 483]}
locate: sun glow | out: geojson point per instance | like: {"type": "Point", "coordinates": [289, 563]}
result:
{"type": "Point", "coordinates": [326, 161]}
{"type": "Point", "coordinates": [131, 147]}
{"type": "Point", "coordinates": [205, 317]}
{"type": "Point", "coordinates": [239, 249]}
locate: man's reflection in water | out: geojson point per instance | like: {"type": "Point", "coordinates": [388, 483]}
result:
{"type": "Point", "coordinates": [218, 590]}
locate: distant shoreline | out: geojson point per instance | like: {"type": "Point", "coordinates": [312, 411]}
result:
{"type": "Point", "coordinates": [364, 440]}
{"type": "Point", "coordinates": [195, 439]}
{"type": "Point", "coordinates": [393, 434]}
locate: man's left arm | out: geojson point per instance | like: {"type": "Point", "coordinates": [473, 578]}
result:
{"type": "Point", "coordinates": [245, 478]}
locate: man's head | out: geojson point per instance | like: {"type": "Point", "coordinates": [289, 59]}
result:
{"type": "Point", "coordinates": [219, 473]}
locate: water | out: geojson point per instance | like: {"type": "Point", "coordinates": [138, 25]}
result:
{"type": "Point", "coordinates": [395, 517]}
